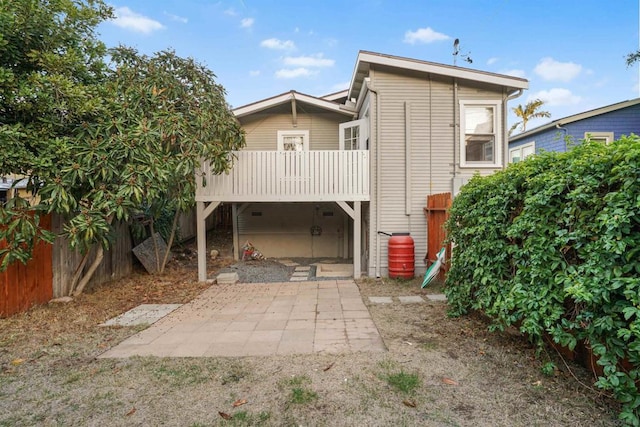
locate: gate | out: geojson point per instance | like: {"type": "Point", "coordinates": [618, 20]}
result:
{"type": "Point", "coordinates": [437, 213]}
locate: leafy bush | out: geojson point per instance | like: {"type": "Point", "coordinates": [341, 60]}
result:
{"type": "Point", "coordinates": [552, 245]}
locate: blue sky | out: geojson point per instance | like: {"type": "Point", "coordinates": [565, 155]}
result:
{"type": "Point", "coordinates": [572, 52]}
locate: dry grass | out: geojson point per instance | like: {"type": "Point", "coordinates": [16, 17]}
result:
{"type": "Point", "coordinates": [437, 371]}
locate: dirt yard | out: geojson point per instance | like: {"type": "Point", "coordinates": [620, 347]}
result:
{"type": "Point", "coordinates": [438, 371]}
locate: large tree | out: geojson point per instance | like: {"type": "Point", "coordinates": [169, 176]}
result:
{"type": "Point", "coordinates": [51, 72]}
{"type": "Point", "coordinates": [164, 115]}
{"type": "Point", "coordinates": [530, 111]}
{"type": "Point", "coordinates": [101, 143]}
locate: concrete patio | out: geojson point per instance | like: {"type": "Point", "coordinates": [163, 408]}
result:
{"type": "Point", "coordinates": [261, 319]}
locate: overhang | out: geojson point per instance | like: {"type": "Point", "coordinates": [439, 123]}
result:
{"type": "Point", "coordinates": [367, 59]}
{"type": "Point", "coordinates": [288, 98]}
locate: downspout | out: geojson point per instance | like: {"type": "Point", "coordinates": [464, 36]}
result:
{"type": "Point", "coordinates": [505, 156]}
{"type": "Point", "coordinates": [377, 181]}
{"type": "Point", "coordinates": [566, 132]}
{"type": "Point", "coordinates": [455, 128]}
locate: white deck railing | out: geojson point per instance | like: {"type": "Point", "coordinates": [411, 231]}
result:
{"type": "Point", "coordinates": [268, 176]}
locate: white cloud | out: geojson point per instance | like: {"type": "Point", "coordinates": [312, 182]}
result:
{"type": "Point", "coordinates": [552, 70]}
{"type": "Point", "coordinates": [230, 12]}
{"type": "Point", "coordinates": [254, 73]}
{"type": "Point", "coordinates": [288, 73]}
{"type": "Point", "coordinates": [424, 35]}
{"type": "Point", "coordinates": [492, 61]}
{"type": "Point", "coordinates": [555, 97]}
{"type": "Point", "coordinates": [176, 18]}
{"type": "Point", "coordinates": [128, 19]}
{"type": "Point", "coordinates": [515, 73]}
{"type": "Point", "coordinates": [309, 61]}
{"type": "Point", "coordinates": [247, 22]}
{"type": "Point", "coordinates": [278, 44]}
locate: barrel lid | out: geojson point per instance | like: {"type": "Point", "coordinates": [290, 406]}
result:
{"type": "Point", "coordinates": [400, 234]}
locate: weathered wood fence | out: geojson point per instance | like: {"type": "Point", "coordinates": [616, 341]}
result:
{"type": "Point", "coordinates": [48, 274]}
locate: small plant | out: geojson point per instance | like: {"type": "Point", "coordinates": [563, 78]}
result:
{"type": "Point", "coordinates": [403, 381]}
{"type": "Point", "coordinates": [300, 393]}
{"type": "Point", "coordinates": [548, 369]}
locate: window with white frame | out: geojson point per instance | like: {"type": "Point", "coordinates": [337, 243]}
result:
{"type": "Point", "coordinates": [293, 140]}
{"type": "Point", "coordinates": [520, 153]}
{"type": "Point", "coordinates": [480, 139]}
{"type": "Point", "coordinates": [604, 137]}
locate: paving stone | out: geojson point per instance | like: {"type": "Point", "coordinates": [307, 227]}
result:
{"type": "Point", "coordinates": [299, 279]}
{"type": "Point", "coordinates": [436, 297]}
{"type": "Point", "coordinates": [300, 274]}
{"type": "Point", "coordinates": [303, 268]}
{"type": "Point", "coordinates": [380, 300]}
{"type": "Point", "coordinates": [411, 299]}
{"type": "Point", "coordinates": [227, 278]}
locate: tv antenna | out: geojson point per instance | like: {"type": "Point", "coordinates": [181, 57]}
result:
{"type": "Point", "coordinates": [456, 53]}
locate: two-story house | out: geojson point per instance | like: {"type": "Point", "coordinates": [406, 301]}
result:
{"type": "Point", "coordinates": [328, 176]}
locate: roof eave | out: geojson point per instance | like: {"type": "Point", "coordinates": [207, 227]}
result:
{"type": "Point", "coordinates": [286, 97]}
{"type": "Point", "coordinates": [365, 59]}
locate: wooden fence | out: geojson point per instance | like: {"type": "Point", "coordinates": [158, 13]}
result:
{"type": "Point", "coordinates": [437, 213]}
{"type": "Point", "coordinates": [117, 262]}
{"type": "Point", "coordinates": [23, 285]}
{"type": "Point", "coordinates": [48, 274]}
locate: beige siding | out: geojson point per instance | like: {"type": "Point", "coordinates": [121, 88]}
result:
{"type": "Point", "coordinates": [262, 129]}
{"type": "Point", "coordinates": [419, 137]}
{"type": "Point", "coordinates": [284, 229]}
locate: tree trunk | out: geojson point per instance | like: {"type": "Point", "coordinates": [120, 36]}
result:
{"type": "Point", "coordinates": [155, 245]}
{"type": "Point", "coordinates": [78, 273]}
{"type": "Point", "coordinates": [174, 226]}
{"type": "Point", "coordinates": [92, 269]}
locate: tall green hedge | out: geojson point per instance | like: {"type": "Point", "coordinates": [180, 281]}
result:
{"type": "Point", "coordinates": [552, 245]}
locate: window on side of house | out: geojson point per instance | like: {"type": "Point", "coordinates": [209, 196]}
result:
{"type": "Point", "coordinates": [520, 153]}
{"type": "Point", "coordinates": [604, 137]}
{"type": "Point", "coordinates": [480, 139]}
{"type": "Point", "coordinates": [293, 140]}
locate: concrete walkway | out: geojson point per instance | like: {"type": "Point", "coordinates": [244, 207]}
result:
{"type": "Point", "coordinates": [261, 319]}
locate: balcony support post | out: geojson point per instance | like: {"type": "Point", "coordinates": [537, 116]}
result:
{"type": "Point", "coordinates": [202, 212]}
{"type": "Point", "coordinates": [356, 214]}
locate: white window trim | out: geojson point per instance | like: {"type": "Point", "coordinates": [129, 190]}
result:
{"type": "Point", "coordinates": [607, 136]}
{"type": "Point", "coordinates": [362, 133]}
{"type": "Point", "coordinates": [295, 132]}
{"type": "Point", "coordinates": [497, 128]}
{"type": "Point", "coordinates": [520, 148]}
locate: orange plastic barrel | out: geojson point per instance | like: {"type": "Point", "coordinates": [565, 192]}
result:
{"type": "Point", "coordinates": [401, 256]}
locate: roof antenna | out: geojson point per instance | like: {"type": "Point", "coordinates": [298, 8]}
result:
{"type": "Point", "coordinates": [456, 52]}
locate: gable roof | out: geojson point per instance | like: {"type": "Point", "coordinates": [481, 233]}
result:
{"type": "Point", "coordinates": [290, 97]}
{"type": "Point", "coordinates": [367, 59]}
{"type": "Point", "coordinates": [577, 117]}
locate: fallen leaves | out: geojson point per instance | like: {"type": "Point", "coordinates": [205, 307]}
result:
{"type": "Point", "coordinates": [131, 412]}
{"type": "Point", "coordinates": [17, 362]}
{"type": "Point", "coordinates": [239, 402]}
{"type": "Point", "coordinates": [409, 402]}
{"type": "Point", "coordinates": [449, 381]}
{"type": "Point", "coordinates": [329, 366]}
{"type": "Point", "coordinates": [224, 415]}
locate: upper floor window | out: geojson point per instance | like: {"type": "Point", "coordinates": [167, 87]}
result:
{"type": "Point", "coordinates": [604, 137]}
{"type": "Point", "coordinates": [480, 139]}
{"type": "Point", "coordinates": [293, 140]}
{"type": "Point", "coordinates": [520, 153]}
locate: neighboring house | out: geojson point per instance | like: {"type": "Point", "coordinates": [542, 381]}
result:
{"type": "Point", "coordinates": [327, 176]}
{"type": "Point", "coordinates": [11, 187]}
{"type": "Point", "coordinates": [604, 124]}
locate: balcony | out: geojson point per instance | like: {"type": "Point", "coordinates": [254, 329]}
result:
{"type": "Point", "coordinates": [288, 176]}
